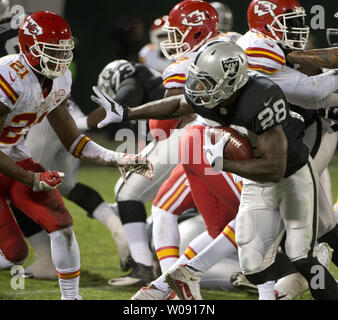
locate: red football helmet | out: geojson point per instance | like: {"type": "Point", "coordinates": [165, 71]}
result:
{"type": "Point", "coordinates": [45, 40]}
{"type": "Point", "coordinates": [190, 24]}
{"type": "Point", "coordinates": [156, 33]}
{"type": "Point", "coordinates": [280, 20]}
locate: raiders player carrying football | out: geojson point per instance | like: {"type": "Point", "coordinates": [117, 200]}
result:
{"type": "Point", "coordinates": [280, 185]}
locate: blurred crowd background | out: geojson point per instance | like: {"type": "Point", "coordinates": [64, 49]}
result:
{"type": "Point", "coordinates": [106, 30]}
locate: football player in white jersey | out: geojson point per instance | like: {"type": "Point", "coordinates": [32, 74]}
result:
{"type": "Point", "coordinates": [51, 154]}
{"type": "Point", "coordinates": [174, 197]}
{"type": "Point", "coordinates": [168, 133]}
{"type": "Point", "coordinates": [151, 54]}
{"type": "Point", "coordinates": [33, 84]}
{"type": "Point", "coordinates": [165, 158]}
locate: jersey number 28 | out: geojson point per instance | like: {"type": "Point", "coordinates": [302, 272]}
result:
{"type": "Point", "coordinates": [271, 116]}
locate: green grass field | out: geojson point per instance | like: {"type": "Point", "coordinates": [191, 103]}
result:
{"type": "Point", "coordinates": [99, 257]}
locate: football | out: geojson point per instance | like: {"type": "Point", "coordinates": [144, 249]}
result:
{"type": "Point", "coordinates": [237, 148]}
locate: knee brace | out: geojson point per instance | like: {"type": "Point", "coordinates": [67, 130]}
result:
{"type": "Point", "coordinates": [85, 197]}
{"type": "Point", "coordinates": [332, 239]}
{"type": "Point", "coordinates": [132, 211]}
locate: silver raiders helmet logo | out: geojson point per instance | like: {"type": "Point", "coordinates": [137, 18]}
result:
{"type": "Point", "coordinates": [231, 66]}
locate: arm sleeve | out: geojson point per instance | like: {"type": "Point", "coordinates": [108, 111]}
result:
{"type": "Point", "coordinates": [130, 93]}
{"type": "Point", "coordinates": [304, 91]}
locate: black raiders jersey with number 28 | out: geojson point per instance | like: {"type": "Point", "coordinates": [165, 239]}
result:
{"type": "Point", "coordinates": [259, 106]}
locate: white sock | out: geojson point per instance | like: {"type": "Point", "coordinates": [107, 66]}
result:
{"type": "Point", "coordinates": [223, 246]}
{"type": "Point", "coordinates": [137, 236]}
{"type": "Point", "coordinates": [43, 266]}
{"type": "Point", "coordinates": [266, 291]}
{"type": "Point", "coordinates": [66, 258]}
{"type": "Point", "coordinates": [4, 263]}
{"type": "Point", "coordinates": [196, 245]}
{"type": "Point", "coordinates": [166, 237]}
{"type": "Point", "coordinates": [106, 215]}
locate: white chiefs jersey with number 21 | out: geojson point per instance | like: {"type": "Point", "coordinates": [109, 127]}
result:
{"type": "Point", "coordinates": [21, 92]}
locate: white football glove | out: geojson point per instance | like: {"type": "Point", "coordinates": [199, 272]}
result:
{"type": "Point", "coordinates": [134, 163]}
{"type": "Point", "coordinates": [214, 152]}
{"type": "Point", "coordinates": [114, 111]}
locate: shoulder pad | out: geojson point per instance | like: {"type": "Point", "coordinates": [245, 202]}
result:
{"type": "Point", "coordinates": [10, 84]}
{"type": "Point", "coordinates": [263, 53]}
{"type": "Point", "coordinates": [146, 49]}
{"type": "Point", "coordinates": [175, 75]}
{"type": "Point", "coordinates": [230, 36]}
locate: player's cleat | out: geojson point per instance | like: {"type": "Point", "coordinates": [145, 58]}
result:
{"type": "Point", "coordinates": [185, 282]}
{"type": "Point", "coordinates": [172, 296]}
{"type": "Point", "coordinates": [140, 275]}
{"type": "Point", "coordinates": [281, 295]}
{"type": "Point", "coordinates": [127, 264]}
{"type": "Point", "coordinates": [324, 254]}
{"type": "Point", "coordinates": [239, 281]}
{"type": "Point", "coordinates": [149, 293]}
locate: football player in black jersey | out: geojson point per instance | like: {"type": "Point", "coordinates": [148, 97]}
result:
{"type": "Point", "coordinates": [280, 184]}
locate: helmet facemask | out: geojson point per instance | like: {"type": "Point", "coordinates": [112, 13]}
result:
{"type": "Point", "coordinates": [289, 29]}
{"type": "Point", "coordinates": [176, 47]}
{"type": "Point", "coordinates": [54, 59]}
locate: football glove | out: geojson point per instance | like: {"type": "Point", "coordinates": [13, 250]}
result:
{"type": "Point", "coordinates": [47, 180]}
{"type": "Point", "coordinates": [214, 152]}
{"type": "Point", "coordinates": [114, 111]}
{"type": "Point", "coordinates": [134, 163]}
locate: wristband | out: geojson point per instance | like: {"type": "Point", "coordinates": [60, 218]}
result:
{"type": "Point", "coordinates": [86, 149]}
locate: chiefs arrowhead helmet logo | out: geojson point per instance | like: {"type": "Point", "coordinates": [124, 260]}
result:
{"type": "Point", "coordinates": [263, 7]}
{"type": "Point", "coordinates": [195, 18]}
{"type": "Point", "coordinates": [32, 28]}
